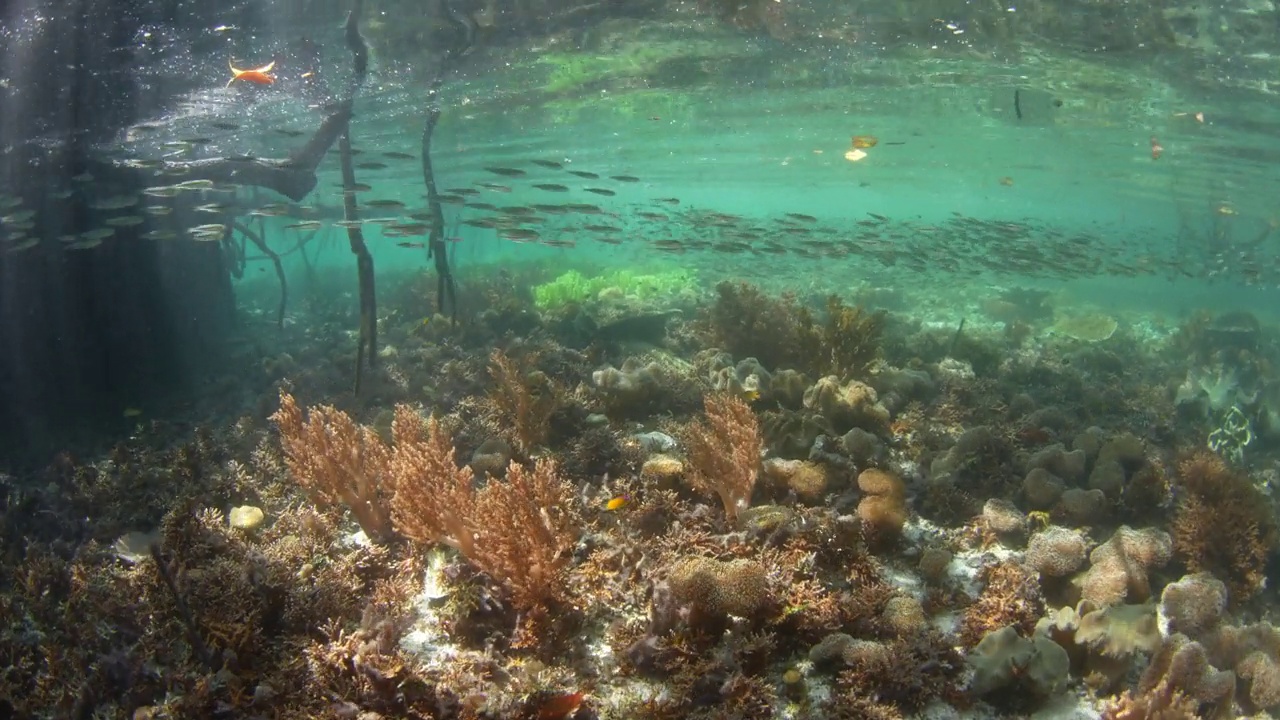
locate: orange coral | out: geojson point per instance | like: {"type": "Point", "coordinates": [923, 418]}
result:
{"type": "Point", "coordinates": [338, 462]}
{"type": "Point", "coordinates": [724, 452]}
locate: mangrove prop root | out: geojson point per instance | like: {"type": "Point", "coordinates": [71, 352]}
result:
{"type": "Point", "coordinates": [367, 350]}
{"type": "Point", "coordinates": [445, 287]}
{"type": "Point", "coordinates": [184, 611]}
{"type": "Point", "coordinates": [261, 244]}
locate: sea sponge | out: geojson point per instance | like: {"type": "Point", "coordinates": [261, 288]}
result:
{"type": "Point", "coordinates": [1120, 630]}
{"type": "Point", "coordinates": [934, 564]}
{"type": "Point", "coordinates": [1056, 459]}
{"type": "Point", "coordinates": [1003, 517]}
{"type": "Point", "coordinates": [1042, 489]}
{"type": "Point", "coordinates": [1005, 660]}
{"type": "Point", "coordinates": [1081, 507]}
{"type": "Point", "coordinates": [664, 470]}
{"type": "Point", "coordinates": [808, 480]}
{"type": "Point", "coordinates": [853, 404]}
{"type": "Point", "coordinates": [883, 508]}
{"type": "Point", "coordinates": [1182, 665]}
{"type": "Point", "coordinates": [1223, 525]}
{"type": "Point", "coordinates": [1262, 673]}
{"type": "Point", "coordinates": [1193, 605]}
{"type": "Point", "coordinates": [1119, 567]}
{"type": "Point", "coordinates": [713, 589]}
{"type": "Point", "coordinates": [1057, 551]}
{"type": "Point", "coordinates": [904, 615]}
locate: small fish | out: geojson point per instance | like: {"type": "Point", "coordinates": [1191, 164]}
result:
{"type": "Point", "coordinates": [125, 221]}
{"type": "Point", "coordinates": [132, 412]}
{"type": "Point", "coordinates": [1156, 148]}
{"type": "Point", "coordinates": [552, 187]}
{"type": "Point", "coordinates": [495, 188]}
{"type": "Point", "coordinates": [552, 164]}
{"type": "Point", "coordinates": [602, 228]}
{"type": "Point", "coordinates": [385, 204]}
{"type": "Point", "coordinates": [101, 233]}
{"type": "Point", "coordinates": [159, 235]}
{"type": "Point", "coordinates": [115, 202]}
{"type": "Point", "coordinates": [451, 199]}
{"type": "Point", "coordinates": [212, 208]}
{"type": "Point", "coordinates": [306, 225]}
{"type": "Point", "coordinates": [21, 245]}
{"type": "Point", "coordinates": [506, 171]}
{"type": "Point", "coordinates": [224, 125]}
{"type": "Point", "coordinates": [482, 206]}
{"type": "Point", "coordinates": [195, 185]}
{"type": "Point", "coordinates": [372, 165]}
{"type": "Point", "coordinates": [668, 201]}
{"type": "Point", "coordinates": [465, 192]}
{"type": "Point", "coordinates": [411, 245]}
{"type": "Point", "coordinates": [518, 234]}
{"type": "Point", "coordinates": [258, 75]}
{"type": "Point", "coordinates": [85, 244]}
{"type": "Point", "coordinates": [62, 194]}
{"type": "Point", "coordinates": [271, 210]}
{"type": "Point", "coordinates": [198, 140]}
{"type": "Point", "coordinates": [357, 187]}
{"type": "Point", "coordinates": [349, 224]}
{"type": "Point", "coordinates": [397, 155]}
{"type": "Point", "coordinates": [862, 142]}
{"type": "Point", "coordinates": [163, 191]}
{"type": "Point", "coordinates": [601, 191]}
{"type": "Point", "coordinates": [802, 217]}
{"type": "Point", "coordinates": [877, 216]}
{"type": "Point", "coordinates": [560, 243]}
{"type": "Point", "coordinates": [585, 174]}
{"type": "Point", "coordinates": [287, 132]}
{"type": "Point", "coordinates": [625, 178]}
{"type": "Point", "coordinates": [1006, 181]}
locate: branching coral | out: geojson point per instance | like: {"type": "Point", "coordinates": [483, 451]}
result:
{"type": "Point", "coordinates": [1223, 525]}
{"type": "Point", "coordinates": [338, 462]}
{"type": "Point", "coordinates": [1010, 597]}
{"type": "Point", "coordinates": [524, 399]}
{"type": "Point", "coordinates": [724, 452]}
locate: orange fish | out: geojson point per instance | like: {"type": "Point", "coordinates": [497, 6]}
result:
{"type": "Point", "coordinates": [862, 142]}
{"type": "Point", "coordinates": [1156, 148]}
{"type": "Point", "coordinates": [257, 76]}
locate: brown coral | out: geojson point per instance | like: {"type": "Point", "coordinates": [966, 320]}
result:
{"type": "Point", "coordinates": [338, 462]}
{"type": "Point", "coordinates": [724, 452]}
{"type": "Point", "coordinates": [1223, 525]}
{"type": "Point", "coordinates": [1056, 551]}
{"type": "Point", "coordinates": [1194, 604]}
{"type": "Point", "coordinates": [525, 400]}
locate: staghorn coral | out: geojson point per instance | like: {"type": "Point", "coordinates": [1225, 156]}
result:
{"type": "Point", "coordinates": [1223, 525]}
{"type": "Point", "coordinates": [1010, 597]}
{"type": "Point", "coordinates": [338, 462]}
{"type": "Point", "coordinates": [524, 399]}
{"type": "Point", "coordinates": [724, 452]}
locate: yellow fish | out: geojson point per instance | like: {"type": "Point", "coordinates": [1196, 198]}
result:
{"type": "Point", "coordinates": [617, 503]}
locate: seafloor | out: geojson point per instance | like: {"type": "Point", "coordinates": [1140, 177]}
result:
{"type": "Point", "coordinates": [711, 502]}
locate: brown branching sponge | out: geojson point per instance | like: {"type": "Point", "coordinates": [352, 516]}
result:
{"type": "Point", "coordinates": [524, 399]}
{"type": "Point", "coordinates": [339, 462]}
{"type": "Point", "coordinates": [1222, 525]}
{"type": "Point", "coordinates": [724, 452]}
{"type": "Point", "coordinates": [845, 345]}
{"type": "Point", "coordinates": [780, 333]}
{"type": "Point", "coordinates": [435, 499]}
{"type": "Point", "coordinates": [520, 531]}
